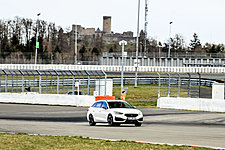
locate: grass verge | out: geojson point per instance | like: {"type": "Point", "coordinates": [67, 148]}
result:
{"type": "Point", "coordinates": [146, 95]}
{"type": "Point", "coordinates": [37, 142]}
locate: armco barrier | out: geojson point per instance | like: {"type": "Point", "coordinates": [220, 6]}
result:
{"type": "Point", "coordinates": [200, 104]}
{"type": "Point", "coordinates": [48, 99]}
{"type": "Point", "coordinates": [114, 68]}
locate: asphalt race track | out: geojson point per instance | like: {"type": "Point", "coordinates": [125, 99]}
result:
{"type": "Point", "coordinates": [160, 126]}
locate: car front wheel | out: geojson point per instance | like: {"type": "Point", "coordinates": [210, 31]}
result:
{"type": "Point", "coordinates": [91, 120]}
{"type": "Point", "coordinates": [110, 120]}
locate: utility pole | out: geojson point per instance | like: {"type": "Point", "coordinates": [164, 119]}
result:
{"type": "Point", "coordinates": [170, 41]}
{"type": "Point", "coordinates": [122, 43]}
{"type": "Point", "coordinates": [37, 43]}
{"type": "Point", "coordinates": [136, 66]}
{"type": "Point", "coordinates": [146, 25]}
{"type": "Point", "coordinates": [75, 51]}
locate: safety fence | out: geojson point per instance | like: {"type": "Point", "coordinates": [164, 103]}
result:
{"type": "Point", "coordinates": [72, 82]}
{"type": "Point", "coordinates": [114, 68]}
{"type": "Point", "coordinates": [183, 85]}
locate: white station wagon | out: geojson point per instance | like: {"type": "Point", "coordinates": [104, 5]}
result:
{"type": "Point", "coordinates": [114, 112]}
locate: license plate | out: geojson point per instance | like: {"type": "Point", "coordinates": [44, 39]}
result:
{"type": "Point", "coordinates": [131, 118]}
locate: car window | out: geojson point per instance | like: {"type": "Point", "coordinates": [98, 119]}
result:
{"type": "Point", "coordinates": [99, 104]}
{"type": "Point", "coordinates": [94, 105]}
{"type": "Point", "coordinates": [119, 105]}
{"type": "Point", "coordinates": [104, 105]}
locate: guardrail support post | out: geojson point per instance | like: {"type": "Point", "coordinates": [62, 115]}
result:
{"type": "Point", "coordinates": [105, 81]}
{"type": "Point", "coordinates": [39, 84]}
{"type": "Point", "coordinates": [189, 84]}
{"type": "Point", "coordinates": [159, 84]}
{"type": "Point", "coordinates": [168, 84]}
{"type": "Point", "coordinates": [178, 84]}
{"type": "Point", "coordinates": [224, 89]}
{"type": "Point", "coordinates": [22, 83]}
{"type": "Point", "coordinates": [57, 84]}
{"type": "Point", "coordinates": [73, 85]}
{"type": "Point", "coordinates": [199, 84]}
{"type": "Point", "coordinates": [0, 83]}
{"type": "Point", "coordinates": [6, 83]}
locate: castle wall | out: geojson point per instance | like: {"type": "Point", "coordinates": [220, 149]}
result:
{"type": "Point", "coordinates": [88, 31]}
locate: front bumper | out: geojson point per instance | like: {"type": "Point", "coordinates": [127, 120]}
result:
{"type": "Point", "coordinates": [128, 120]}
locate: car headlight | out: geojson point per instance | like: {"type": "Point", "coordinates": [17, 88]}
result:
{"type": "Point", "coordinates": [118, 113]}
{"type": "Point", "coordinates": [140, 113]}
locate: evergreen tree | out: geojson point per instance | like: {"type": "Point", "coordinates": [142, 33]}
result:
{"type": "Point", "coordinates": [195, 44]}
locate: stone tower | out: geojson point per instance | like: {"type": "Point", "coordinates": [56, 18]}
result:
{"type": "Point", "coordinates": [107, 24]}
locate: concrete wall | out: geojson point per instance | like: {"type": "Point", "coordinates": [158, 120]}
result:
{"type": "Point", "coordinates": [200, 104]}
{"type": "Point", "coordinates": [49, 99]}
{"type": "Point", "coordinates": [218, 91]}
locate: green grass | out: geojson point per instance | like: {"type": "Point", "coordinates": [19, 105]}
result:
{"type": "Point", "coordinates": [41, 142]}
{"type": "Point", "coordinates": [146, 95]}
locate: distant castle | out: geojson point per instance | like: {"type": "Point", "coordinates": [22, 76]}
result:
{"type": "Point", "coordinates": [106, 34]}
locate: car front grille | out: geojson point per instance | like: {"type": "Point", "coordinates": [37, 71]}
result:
{"type": "Point", "coordinates": [119, 119]}
{"type": "Point", "coordinates": [131, 115]}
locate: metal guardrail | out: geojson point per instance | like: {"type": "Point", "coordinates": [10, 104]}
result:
{"type": "Point", "coordinates": [163, 81]}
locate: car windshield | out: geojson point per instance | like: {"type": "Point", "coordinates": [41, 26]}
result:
{"type": "Point", "coordinates": [119, 105]}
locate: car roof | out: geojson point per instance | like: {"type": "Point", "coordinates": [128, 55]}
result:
{"type": "Point", "coordinates": [111, 101]}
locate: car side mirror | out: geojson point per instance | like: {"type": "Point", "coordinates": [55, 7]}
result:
{"type": "Point", "coordinates": [134, 107]}
{"type": "Point", "coordinates": [104, 107]}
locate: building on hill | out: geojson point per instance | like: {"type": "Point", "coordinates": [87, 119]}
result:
{"type": "Point", "coordinates": [106, 34]}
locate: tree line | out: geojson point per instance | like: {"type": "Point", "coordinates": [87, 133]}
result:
{"type": "Point", "coordinates": [179, 45]}
{"type": "Point", "coordinates": [18, 36]}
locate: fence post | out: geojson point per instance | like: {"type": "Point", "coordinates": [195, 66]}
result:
{"type": "Point", "coordinates": [189, 84]}
{"type": "Point", "coordinates": [178, 84]}
{"type": "Point", "coordinates": [105, 80]}
{"type": "Point", "coordinates": [22, 80]}
{"type": "Point", "coordinates": [168, 84]}
{"type": "Point", "coordinates": [6, 83]}
{"type": "Point", "coordinates": [73, 82]}
{"type": "Point", "coordinates": [57, 84]}
{"type": "Point", "coordinates": [89, 82]}
{"type": "Point", "coordinates": [199, 84]}
{"type": "Point", "coordinates": [224, 89]}
{"type": "Point", "coordinates": [39, 83]}
{"type": "Point", "coordinates": [0, 83]}
{"type": "Point", "coordinates": [159, 85]}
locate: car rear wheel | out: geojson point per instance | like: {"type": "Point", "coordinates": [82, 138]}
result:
{"type": "Point", "coordinates": [110, 120]}
{"type": "Point", "coordinates": [91, 120]}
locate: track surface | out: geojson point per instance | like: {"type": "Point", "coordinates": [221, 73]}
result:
{"type": "Point", "coordinates": [160, 126]}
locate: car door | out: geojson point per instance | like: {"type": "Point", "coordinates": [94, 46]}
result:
{"type": "Point", "coordinates": [97, 112]}
{"type": "Point", "coordinates": [103, 112]}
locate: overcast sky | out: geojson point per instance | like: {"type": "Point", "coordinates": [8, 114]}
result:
{"type": "Point", "coordinates": [204, 17]}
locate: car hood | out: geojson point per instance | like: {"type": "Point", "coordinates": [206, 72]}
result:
{"type": "Point", "coordinates": [126, 110]}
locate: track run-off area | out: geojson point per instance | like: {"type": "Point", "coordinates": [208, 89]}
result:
{"type": "Point", "coordinates": [160, 126]}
